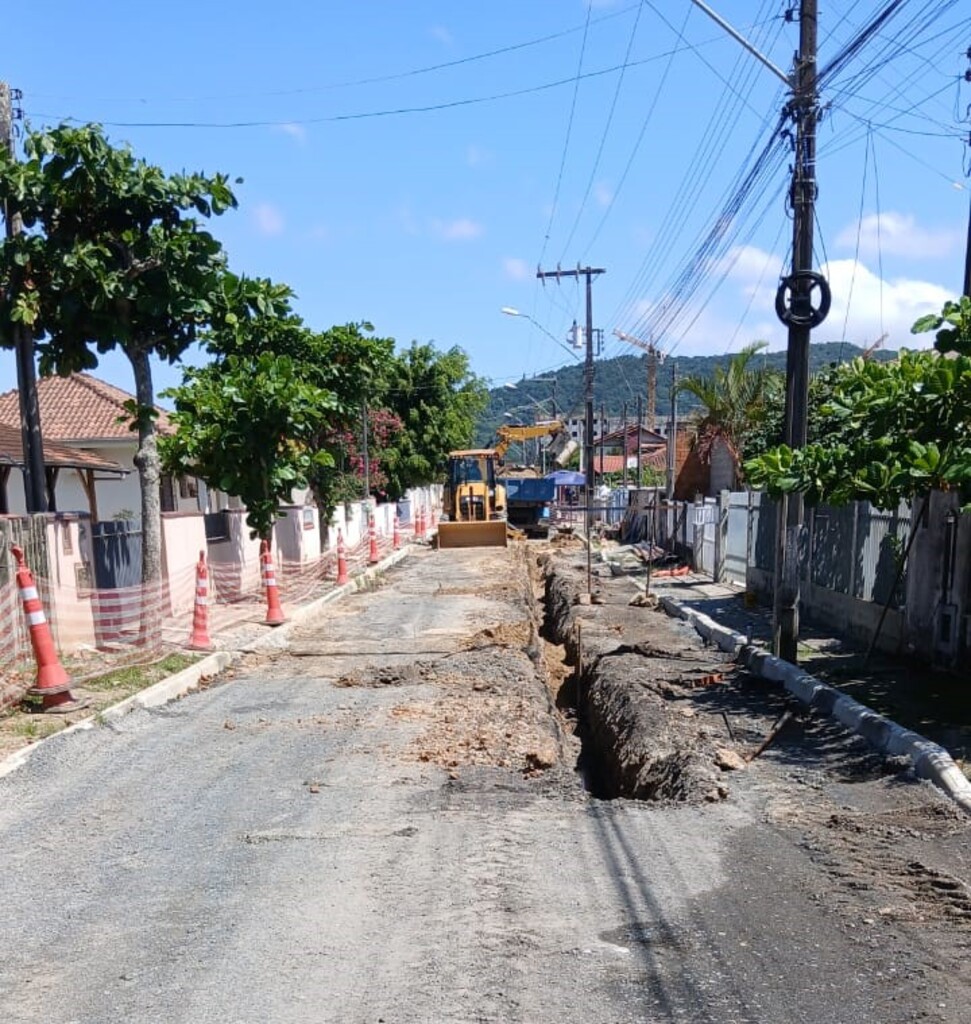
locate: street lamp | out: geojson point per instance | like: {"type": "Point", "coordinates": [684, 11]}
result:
{"type": "Point", "coordinates": [510, 311]}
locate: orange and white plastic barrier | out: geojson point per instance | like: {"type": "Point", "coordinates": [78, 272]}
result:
{"type": "Point", "coordinates": [342, 576]}
{"type": "Point", "coordinates": [373, 555]}
{"type": "Point", "coordinates": [53, 684]}
{"type": "Point", "coordinates": [274, 610]}
{"type": "Point", "coordinates": [200, 640]}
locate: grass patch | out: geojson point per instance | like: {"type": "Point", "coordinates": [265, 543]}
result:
{"type": "Point", "coordinates": [137, 677]}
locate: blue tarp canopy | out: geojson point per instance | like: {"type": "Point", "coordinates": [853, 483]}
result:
{"type": "Point", "coordinates": [567, 478]}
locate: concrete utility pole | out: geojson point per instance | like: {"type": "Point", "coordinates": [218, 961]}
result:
{"type": "Point", "coordinates": [795, 308]}
{"type": "Point", "coordinates": [640, 478]}
{"type": "Point", "coordinates": [653, 356]}
{"type": "Point", "coordinates": [35, 493]}
{"type": "Point", "coordinates": [589, 273]}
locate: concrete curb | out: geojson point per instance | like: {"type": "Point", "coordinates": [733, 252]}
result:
{"type": "Point", "coordinates": [181, 683]}
{"type": "Point", "coordinates": [930, 761]}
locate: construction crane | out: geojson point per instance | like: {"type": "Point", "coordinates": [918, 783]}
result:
{"type": "Point", "coordinates": [654, 356]}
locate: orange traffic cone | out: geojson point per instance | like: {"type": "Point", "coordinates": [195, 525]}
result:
{"type": "Point", "coordinates": [396, 534]}
{"type": "Point", "coordinates": [373, 556]}
{"type": "Point", "coordinates": [200, 641]}
{"type": "Point", "coordinates": [53, 684]}
{"type": "Point", "coordinates": [274, 611]}
{"type": "Point", "coordinates": [342, 576]}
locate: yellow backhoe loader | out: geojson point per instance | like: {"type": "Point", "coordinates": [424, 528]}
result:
{"type": "Point", "coordinates": [474, 502]}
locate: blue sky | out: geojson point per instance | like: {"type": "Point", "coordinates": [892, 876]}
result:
{"type": "Point", "coordinates": [613, 134]}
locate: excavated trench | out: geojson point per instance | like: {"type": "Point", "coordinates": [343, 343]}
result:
{"type": "Point", "coordinates": [650, 703]}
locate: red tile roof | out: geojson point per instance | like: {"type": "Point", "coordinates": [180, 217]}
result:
{"type": "Point", "coordinates": [55, 455]}
{"type": "Point", "coordinates": [80, 409]}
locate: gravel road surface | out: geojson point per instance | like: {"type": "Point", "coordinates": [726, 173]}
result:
{"type": "Point", "coordinates": [384, 822]}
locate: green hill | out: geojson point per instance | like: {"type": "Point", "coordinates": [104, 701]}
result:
{"type": "Point", "coordinates": [622, 379]}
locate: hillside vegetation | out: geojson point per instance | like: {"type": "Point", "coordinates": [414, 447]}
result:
{"type": "Point", "coordinates": [624, 378]}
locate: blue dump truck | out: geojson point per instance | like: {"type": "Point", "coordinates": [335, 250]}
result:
{"type": "Point", "coordinates": [528, 503]}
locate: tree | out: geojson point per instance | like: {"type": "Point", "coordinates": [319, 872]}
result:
{"type": "Point", "coordinates": [739, 400]}
{"type": "Point", "coordinates": [246, 426]}
{"type": "Point", "coordinates": [248, 423]}
{"type": "Point", "coordinates": [894, 431]}
{"type": "Point", "coordinates": [437, 399]}
{"type": "Point", "coordinates": [112, 256]}
{"type": "Point", "coordinates": [343, 361]}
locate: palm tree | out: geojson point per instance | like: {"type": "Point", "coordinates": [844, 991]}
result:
{"type": "Point", "coordinates": [736, 399]}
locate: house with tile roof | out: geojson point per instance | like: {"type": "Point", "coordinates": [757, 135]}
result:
{"type": "Point", "coordinates": [57, 457]}
{"type": "Point", "coordinates": [89, 415]}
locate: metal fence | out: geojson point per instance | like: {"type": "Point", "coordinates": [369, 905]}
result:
{"type": "Point", "coordinates": [854, 550]}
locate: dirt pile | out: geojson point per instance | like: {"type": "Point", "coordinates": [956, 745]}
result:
{"type": "Point", "coordinates": [639, 673]}
{"type": "Point", "coordinates": [492, 711]}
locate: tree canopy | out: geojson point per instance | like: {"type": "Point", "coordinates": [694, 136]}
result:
{"type": "Point", "coordinates": [437, 399]}
{"type": "Point", "coordinates": [739, 399]}
{"type": "Point", "coordinates": [890, 431]}
{"type": "Point", "coordinates": [113, 255]}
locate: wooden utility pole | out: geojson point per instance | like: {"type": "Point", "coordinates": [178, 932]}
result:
{"type": "Point", "coordinates": [624, 448]}
{"type": "Point", "coordinates": [640, 478]}
{"type": "Point", "coordinates": [589, 273]}
{"type": "Point", "coordinates": [35, 493]}
{"type": "Point", "coordinates": [672, 452]}
{"type": "Point", "coordinates": [794, 305]}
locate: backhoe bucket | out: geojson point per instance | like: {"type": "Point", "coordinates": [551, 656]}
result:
{"type": "Point", "coordinates": [476, 534]}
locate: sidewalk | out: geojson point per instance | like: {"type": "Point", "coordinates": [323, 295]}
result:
{"type": "Point", "coordinates": [916, 696]}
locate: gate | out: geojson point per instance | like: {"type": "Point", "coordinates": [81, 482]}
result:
{"type": "Point", "coordinates": [117, 553]}
{"type": "Point", "coordinates": [737, 538]}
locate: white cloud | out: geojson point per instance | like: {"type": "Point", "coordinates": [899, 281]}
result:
{"type": "Point", "coordinates": [406, 220]}
{"type": "Point", "coordinates": [867, 307]}
{"type": "Point", "coordinates": [875, 309]}
{"type": "Point", "coordinates": [516, 269]}
{"type": "Point", "coordinates": [268, 219]}
{"type": "Point", "coordinates": [442, 34]}
{"type": "Point", "coordinates": [295, 131]}
{"type": "Point", "coordinates": [898, 234]}
{"type": "Point", "coordinates": [475, 156]}
{"type": "Point", "coordinates": [462, 229]}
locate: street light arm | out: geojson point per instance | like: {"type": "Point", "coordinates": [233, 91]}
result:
{"type": "Point", "coordinates": [510, 311]}
{"type": "Point", "coordinates": [743, 42]}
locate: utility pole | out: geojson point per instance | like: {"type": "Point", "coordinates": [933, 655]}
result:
{"type": "Point", "coordinates": [794, 306]}
{"type": "Point", "coordinates": [967, 251]}
{"type": "Point", "coordinates": [640, 478]}
{"type": "Point", "coordinates": [589, 273]}
{"type": "Point", "coordinates": [35, 493]}
{"type": "Point", "coordinates": [672, 456]}
{"type": "Point", "coordinates": [652, 360]}
{"type": "Point", "coordinates": [364, 452]}
{"type": "Point", "coordinates": [626, 438]}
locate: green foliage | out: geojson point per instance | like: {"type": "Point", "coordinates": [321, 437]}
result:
{"type": "Point", "coordinates": [437, 399]}
{"type": "Point", "coordinates": [736, 398]}
{"type": "Point", "coordinates": [622, 378]}
{"type": "Point", "coordinates": [893, 431]}
{"type": "Point", "coordinates": [956, 335]}
{"type": "Point", "coordinates": [246, 425]}
{"type": "Point", "coordinates": [112, 253]}
{"type": "Point", "coordinates": [112, 256]}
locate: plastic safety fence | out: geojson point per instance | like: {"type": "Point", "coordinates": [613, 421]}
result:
{"type": "Point", "coordinates": [16, 663]}
{"type": "Point", "coordinates": [98, 630]}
